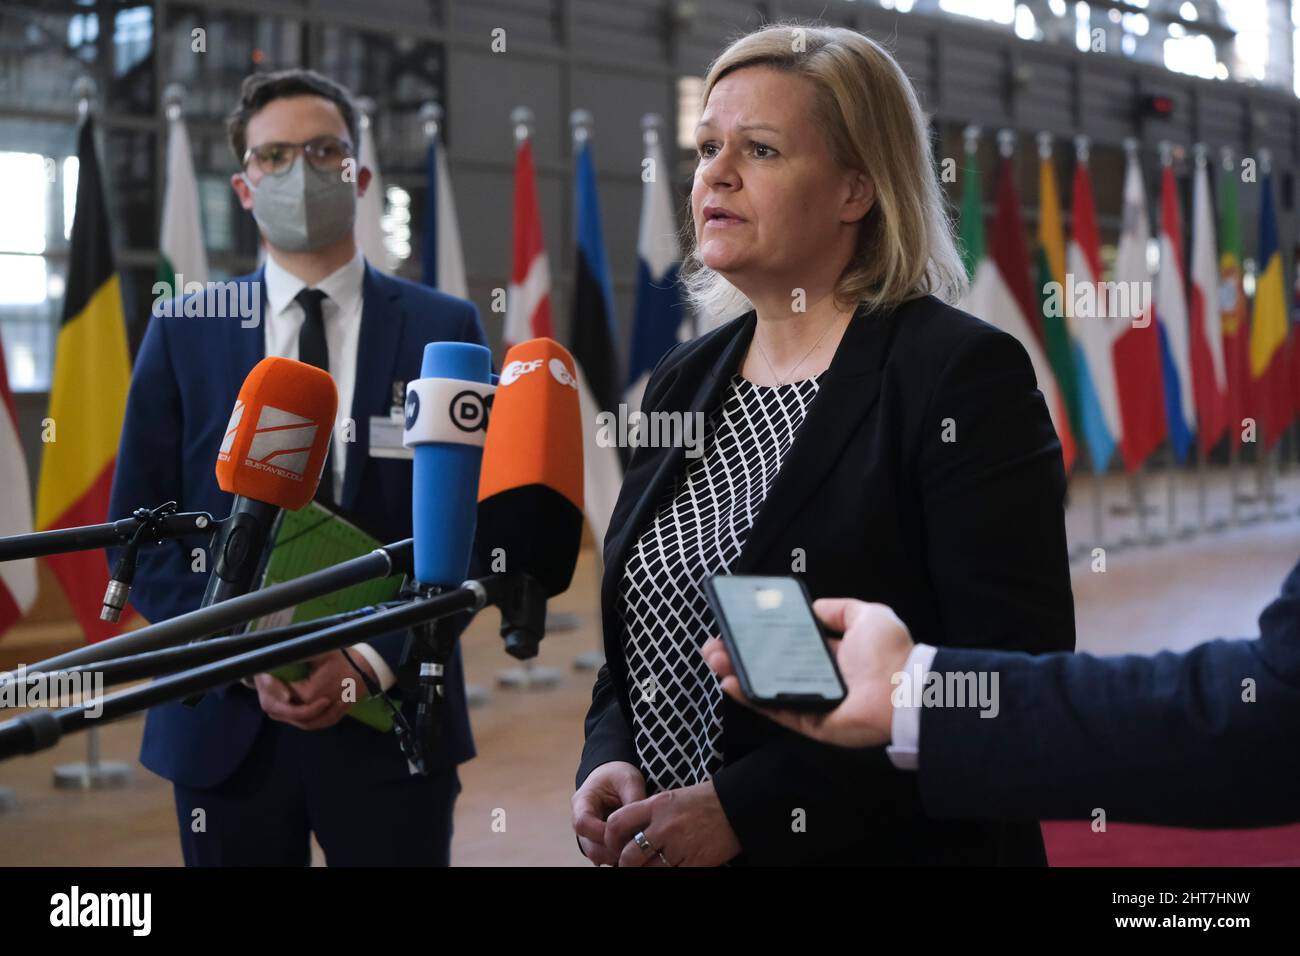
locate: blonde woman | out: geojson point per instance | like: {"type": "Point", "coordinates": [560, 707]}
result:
{"type": "Point", "coordinates": [862, 434]}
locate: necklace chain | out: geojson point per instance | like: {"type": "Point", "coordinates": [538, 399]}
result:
{"type": "Point", "coordinates": [794, 368]}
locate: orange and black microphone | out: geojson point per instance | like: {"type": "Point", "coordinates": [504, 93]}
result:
{"type": "Point", "coordinates": [530, 487]}
{"type": "Point", "coordinates": [270, 459]}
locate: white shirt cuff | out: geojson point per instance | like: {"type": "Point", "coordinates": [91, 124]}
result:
{"type": "Point", "coordinates": [385, 673]}
{"type": "Point", "coordinates": [905, 724]}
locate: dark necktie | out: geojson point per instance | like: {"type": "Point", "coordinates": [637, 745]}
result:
{"type": "Point", "coordinates": [313, 351]}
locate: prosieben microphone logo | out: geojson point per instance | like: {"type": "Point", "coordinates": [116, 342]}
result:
{"type": "Point", "coordinates": [282, 443]}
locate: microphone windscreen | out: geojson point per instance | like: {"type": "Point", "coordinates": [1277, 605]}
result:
{"type": "Point", "coordinates": [530, 491]}
{"type": "Point", "coordinates": [279, 433]}
{"type": "Point", "coordinates": [446, 425]}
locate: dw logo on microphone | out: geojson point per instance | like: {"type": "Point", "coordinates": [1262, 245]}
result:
{"type": "Point", "coordinates": [412, 407]}
{"type": "Point", "coordinates": [468, 411]}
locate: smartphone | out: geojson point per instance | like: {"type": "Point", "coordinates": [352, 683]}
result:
{"type": "Point", "coordinates": [775, 641]}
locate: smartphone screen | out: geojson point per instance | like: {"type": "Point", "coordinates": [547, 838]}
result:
{"type": "Point", "coordinates": [771, 630]}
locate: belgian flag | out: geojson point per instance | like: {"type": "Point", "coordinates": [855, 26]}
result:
{"type": "Point", "coordinates": [92, 371]}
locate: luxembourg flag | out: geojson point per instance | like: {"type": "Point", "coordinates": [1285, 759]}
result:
{"type": "Point", "coordinates": [442, 261]}
{"type": "Point", "coordinates": [17, 578]}
{"type": "Point", "coordinates": [1170, 308]}
{"type": "Point", "coordinates": [1093, 337]}
{"type": "Point", "coordinates": [1209, 364]}
{"type": "Point", "coordinates": [660, 310]}
{"type": "Point", "coordinates": [528, 298]}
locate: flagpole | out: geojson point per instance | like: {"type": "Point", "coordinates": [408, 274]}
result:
{"type": "Point", "coordinates": [580, 123]}
{"type": "Point", "coordinates": [92, 774]}
{"type": "Point", "coordinates": [528, 676]}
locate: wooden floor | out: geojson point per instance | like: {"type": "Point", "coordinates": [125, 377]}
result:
{"type": "Point", "coordinates": [1168, 595]}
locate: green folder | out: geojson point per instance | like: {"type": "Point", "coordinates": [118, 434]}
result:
{"type": "Point", "coordinates": [309, 540]}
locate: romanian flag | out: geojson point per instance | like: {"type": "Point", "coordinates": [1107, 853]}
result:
{"type": "Point", "coordinates": [1269, 365]}
{"type": "Point", "coordinates": [1233, 312]}
{"type": "Point", "coordinates": [92, 369]}
{"type": "Point", "coordinates": [1050, 261]}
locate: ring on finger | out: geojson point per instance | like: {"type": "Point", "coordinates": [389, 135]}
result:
{"type": "Point", "coordinates": [648, 848]}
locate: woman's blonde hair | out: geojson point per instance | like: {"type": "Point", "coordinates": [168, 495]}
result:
{"type": "Point", "coordinates": [873, 122]}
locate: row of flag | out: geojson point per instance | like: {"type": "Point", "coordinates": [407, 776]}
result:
{"type": "Point", "coordinates": [92, 361]}
{"type": "Point", "coordinates": [1185, 368]}
{"type": "Point", "coordinates": [1123, 370]}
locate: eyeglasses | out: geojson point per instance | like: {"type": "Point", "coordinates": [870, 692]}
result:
{"type": "Point", "coordinates": [325, 154]}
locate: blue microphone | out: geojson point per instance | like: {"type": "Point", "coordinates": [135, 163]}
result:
{"type": "Point", "coordinates": [446, 423]}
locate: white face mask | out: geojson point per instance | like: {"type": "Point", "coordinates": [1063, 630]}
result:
{"type": "Point", "coordinates": [303, 210]}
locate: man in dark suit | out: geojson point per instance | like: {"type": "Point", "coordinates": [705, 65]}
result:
{"type": "Point", "coordinates": [258, 768]}
{"type": "Point", "coordinates": [1207, 738]}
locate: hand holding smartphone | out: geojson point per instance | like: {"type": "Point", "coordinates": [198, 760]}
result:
{"type": "Point", "coordinates": [774, 641]}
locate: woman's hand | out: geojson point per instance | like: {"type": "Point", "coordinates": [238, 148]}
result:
{"type": "Point", "coordinates": [607, 788]}
{"type": "Point", "coordinates": [686, 827]}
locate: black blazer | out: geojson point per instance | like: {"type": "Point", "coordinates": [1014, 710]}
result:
{"type": "Point", "coordinates": [1173, 739]}
{"type": "Point", "coordinates": [926, 475]}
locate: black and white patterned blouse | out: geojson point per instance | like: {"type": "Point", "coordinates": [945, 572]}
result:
{"type": "Point", "coordinates": [699, 529]}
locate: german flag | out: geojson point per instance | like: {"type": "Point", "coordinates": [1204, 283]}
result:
{"type": "Point", "coordinates": [92, 370]}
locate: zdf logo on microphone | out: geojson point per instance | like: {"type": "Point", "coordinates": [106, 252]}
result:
{"type": "Point", "coordinates": [517, 369]}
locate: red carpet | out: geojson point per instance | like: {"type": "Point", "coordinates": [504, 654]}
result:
{"type": "Point", "coordinates": [1125, 844]}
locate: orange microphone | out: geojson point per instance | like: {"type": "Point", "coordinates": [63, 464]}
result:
{"type": "Point", "coordinates": [530, 487]}
{"type": "Point", "coordinates": [270, 459]}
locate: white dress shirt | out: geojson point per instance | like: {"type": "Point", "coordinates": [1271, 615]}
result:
{"type": "Point", "coordinates": [341, 311]}
{"type": "Point", "coordinates": [905, 724]}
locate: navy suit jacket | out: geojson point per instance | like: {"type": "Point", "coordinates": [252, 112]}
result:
{"type": "Point", "coordinates": [187, 374]}
{"type": "Point", "coordinates": [1209, 738]}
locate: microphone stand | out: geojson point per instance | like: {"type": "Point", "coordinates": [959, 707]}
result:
{"type": "Point", "coordinates": [380, 563]}
{"type": "Point", "coordinates": [523, 607]}
{"type": "Point", "coordinates": [170, 660]}
{"type": "Point", "coordinates": [162, 522]}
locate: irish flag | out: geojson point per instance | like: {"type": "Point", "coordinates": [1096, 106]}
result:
{"type": "Point", "coordinates": [1050, 263]}
{"type": "Point", "coordinates": [1000, 291]}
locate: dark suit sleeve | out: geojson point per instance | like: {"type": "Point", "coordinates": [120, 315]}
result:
{"type": "Point", "coordinates": [993, 520]}
{"type": "Point", "coordinates": [994, 501]}
{"type": "Point", "coordinates": [149, 472]}
{"type": "Point", "coordinates": [607, 736]}
{"type": "Point", "coordinates": [392, 646]}
{"type": "Point", "coordinates": [1209, 738]}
